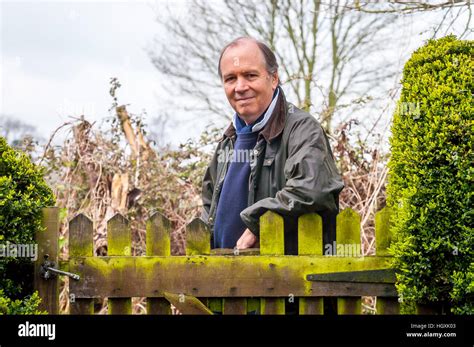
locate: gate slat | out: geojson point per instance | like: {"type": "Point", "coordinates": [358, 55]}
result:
{"type": "Point", "coordinates": [348, 233]}
{"type": "Point", "coordinates": [253, 306]}
{"type": "Point", "coordinates": [158, 243]}
{"type": "Point", "coordinates": [198, 242]}
{"type": "Point", "coordinates": [272, 242]}
{"type": "Point", "coordinates": [383, 237]}
{"type": "Point", "coordinates": [119, 243]}
{"type": "Point", "coordinates": [310, 242]}
{"type": "Point", "coordinates": [81, 244]}
{"type": "Point", "coordinates": [47, 241]}
{"type": "Point", "coordinates": [235, 306]}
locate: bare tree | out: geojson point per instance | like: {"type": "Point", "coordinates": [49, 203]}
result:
{"type": "Point", "coordinates": [19, 134]}
{"type": "Point", "coordinates": [452, 11]}
{"type": "Point", "coordinates": [14, 130]}
{"type": "Point", "coordinates": [322, 51]}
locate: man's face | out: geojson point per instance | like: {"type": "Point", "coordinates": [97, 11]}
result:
{"type": "Point", "coordinates": [247, 84]}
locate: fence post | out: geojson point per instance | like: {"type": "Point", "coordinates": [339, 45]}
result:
{"type": "Point", "coordinates": [310, 242]}
{"type": "Point", "coordinates": [198, 242]}
{"type": "Point", "coordinates": [272, 243]}
{"type": "Point", "coordinates": [119, 243]}
{"type": "Point", "coordinates": [383, 237]}
{"type": "Point", "coordinates": [158, 243]}
{"type": "Point", "coordinates": [81, 244]}
{"type": "Point", "coordinates": [348, 233]}
{"type": "Point", "coordinates": [47, 241]}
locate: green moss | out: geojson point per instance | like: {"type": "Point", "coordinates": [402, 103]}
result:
{"type": "Point", "coordinates": [383, 235]}
{"type": "Point", "coordinates": [271, 234]}
{"type": "Point", "coordinates": [149, 276]}
{"type": "Point", "coordinates": [198, 238]}
{"type": "Point", "coordinates": [310, 234]}
{"type": "Point", "coordinates": [119, 238]}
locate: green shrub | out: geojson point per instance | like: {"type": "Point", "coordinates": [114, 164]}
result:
{"type": "Point", "coordinates": [431, 176]}
{"type": "Point", "coordinates": [29, 305]}
{"type": "Point", "coordinates": [23, 192]}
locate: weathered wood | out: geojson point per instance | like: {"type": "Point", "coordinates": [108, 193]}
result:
{"type": "Point", "coordinates": [119, 243]}
{"type": "Point", "coordinates": [215, 304]}
{"type": "Point", "coordinates": [253, 306]}
{"type": "Point", "coordinates": [198, 242]}
{"type": "Point", "coordinates": [271, 234]}
{"type": "Point", "coordinates": [310, 241]}
{"type": "Point", "coordinates": [272, 306]}
{"type": "Point", "coordinates": [348, 233]}
{"type": "Point", "coordinates": [81, 244]}
{"type": "Point", "coordinates": [235, 306]}
{"type": "Point", "coordinates": [272, 242]}
{"type": "Point", "coordinates": [47, 241]}
{"type": "Point", "coordinates": [158, 242]}
{"type": "Point", "coordinates": [249, 276]}
{"type": "Point", "coordinates": [428, 309]}
{"type": "Point", "coordinates": [187, 304]}
{"type": "Point", "coordinates": [387, 306]}
{"type": "Point", "coordinates": [370, 276]}
{"type": "Point", "coordinates": [383, 235]}
{"type": "Point", "coordinates": [81, 306]}
{"type": "Point", "coordinates": [383, 238]}
{"type": "Point", "coordinates": [198, 238]}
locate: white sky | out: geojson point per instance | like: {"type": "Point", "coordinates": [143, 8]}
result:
{"type": "Point", "coordinates": [57, 58]}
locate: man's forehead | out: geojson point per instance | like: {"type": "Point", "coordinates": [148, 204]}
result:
{"type": "Point", "coordinates": [242, 55]}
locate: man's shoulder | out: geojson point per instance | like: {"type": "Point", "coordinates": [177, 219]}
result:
{"type": "Point", "coordinates": [297, 117]}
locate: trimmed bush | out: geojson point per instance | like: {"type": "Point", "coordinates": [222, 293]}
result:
{"type": "Point", "coordinates": [431, 177]}
{"type": "Point", "coordinates": [23, 192]}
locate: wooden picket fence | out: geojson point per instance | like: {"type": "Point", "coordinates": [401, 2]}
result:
{"type": "Point", "coordinates": [258, 281]}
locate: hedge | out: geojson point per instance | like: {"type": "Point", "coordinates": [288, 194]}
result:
{"type": "Point", "coordinates": [23, 192]}
{"type": "Point", "coordinates": [431, 177]}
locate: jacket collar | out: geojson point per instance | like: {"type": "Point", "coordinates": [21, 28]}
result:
{"type": "Point", "coordinates": [275, 124]}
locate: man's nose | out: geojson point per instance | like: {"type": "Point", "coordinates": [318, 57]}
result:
{"type": "Point", "coordinates": [241, 85]}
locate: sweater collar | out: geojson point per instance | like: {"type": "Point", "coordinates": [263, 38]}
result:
{"type": "Point", "coordinates": [258, 125]}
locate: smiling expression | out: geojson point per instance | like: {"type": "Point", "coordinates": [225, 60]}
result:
{"type": "Point", "coordinates": [247, 84]}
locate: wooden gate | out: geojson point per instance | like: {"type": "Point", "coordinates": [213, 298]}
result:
{"type": "Point", "coordinates": [256, 281]}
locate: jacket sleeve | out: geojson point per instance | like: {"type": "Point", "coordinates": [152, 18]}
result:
{"type": "Point", "coordinates": [208, 184]}
{"type": "Point", "coordinates": [312, 179]}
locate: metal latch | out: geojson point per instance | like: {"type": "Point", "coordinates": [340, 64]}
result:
{"type": "Point", "coordinates": [48, 270]}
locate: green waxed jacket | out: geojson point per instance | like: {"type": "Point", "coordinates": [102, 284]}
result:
{"type": "Point", "coordinates": [292, 172]}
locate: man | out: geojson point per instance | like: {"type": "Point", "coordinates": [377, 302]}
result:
{"type": "Point", "coordinates": [272, 157]}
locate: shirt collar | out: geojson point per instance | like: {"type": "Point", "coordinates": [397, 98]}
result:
{"type": "Point", "coordinates": [258, 125]}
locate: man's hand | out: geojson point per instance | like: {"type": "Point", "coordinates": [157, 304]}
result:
{"type": "Point", "coordinates": [247, 240]}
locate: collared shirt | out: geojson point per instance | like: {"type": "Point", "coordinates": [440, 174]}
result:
{"type": "Point", "coordinates": [258, 125]}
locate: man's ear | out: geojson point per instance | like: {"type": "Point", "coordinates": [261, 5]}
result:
{"type": "Point", "coordinates": [275, 79]}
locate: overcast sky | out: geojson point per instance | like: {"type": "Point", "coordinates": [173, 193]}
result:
{"type": "Point", "coordinates": [57, 58]}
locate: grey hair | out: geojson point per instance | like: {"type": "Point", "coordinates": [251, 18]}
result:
{"type": "Point", "coordinates": [271, 64]}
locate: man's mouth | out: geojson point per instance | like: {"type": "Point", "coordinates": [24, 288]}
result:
{"type": "Point", "coordinates": [243, 99]}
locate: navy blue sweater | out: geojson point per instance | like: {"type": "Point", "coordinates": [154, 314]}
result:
{"type": "Point", "coordinates": [233, 199]}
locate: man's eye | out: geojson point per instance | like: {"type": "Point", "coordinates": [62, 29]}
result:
{"type": "Point", "coordinates": [229, 79]}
